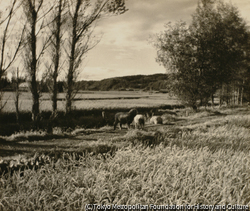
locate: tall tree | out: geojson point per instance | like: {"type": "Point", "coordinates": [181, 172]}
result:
{"type": "Point", "coordinates": [82, 16]}
{"type": "Point", "coordinates": [204, 54]}
{"type": "Point", "coordinates": [176, 52]}
{"type": "Point", "coordinates": [222, 40]}
{"type": "Point", "coordinates": [8, 56]}
{"type": "Point", "coordinates": [35, 20]}
{"type": "Point", "coordinates": [58, 19]}
{"type": "Point", "coordinates": [16, 80]}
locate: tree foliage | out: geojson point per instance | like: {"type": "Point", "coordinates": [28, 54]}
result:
{"type": "Point", "coordinates": [209, 52]}
{"type": "Point", "coordinates": [155, 82]}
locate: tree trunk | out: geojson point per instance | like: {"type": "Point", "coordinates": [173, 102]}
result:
{"type": "Point", "coordinates": [71, 70]}
{"type": "Point", "coordinates": [34, 90]}
{"type": "Point", "coordinates": [17, 96]}
{"type": "Point", "coordinates": [69, 92]}
{"type": "Point", "coordinates": [57, 58]}
{"type": "Point", "coordinates": [70, 82]}
{"type": "Point", "coordinates": [54, 95]}
{"type": "Point", "coordinates": [221, 95]}
{"type": "Point", "coordinates": [229, 96]}
{"type": "Point", "coordinates": [17, 107]}
{"type": "Point", "coordinates": [241, 96]}
{"type": "Point", "coordinates": [35, 99]}
{"type": "Point", "coordinates": [212, 100]}
{"type": "Point", "coordinates": [238, 96]}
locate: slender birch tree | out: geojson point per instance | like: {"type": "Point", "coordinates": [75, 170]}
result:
{"type": "Point", "coordinates": [83, 14]}
{"type": "Point", "coordinates": [35, 15]}
{"type": "Point", "coordinates": [57, 32]}
{"type": "Point", "coordinates": [9, 54]}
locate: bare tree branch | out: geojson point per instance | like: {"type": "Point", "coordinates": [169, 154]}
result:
{"type": "Point", "coordinates": [45, 45]}
{"type": "Point", "coordinates": [5, 102]}
{"type": "Point", "coordinates": [4, 38]}
{"type": "Point", "coordinates": [17, 49]}
{"type": "Point", "coordinates": [89, 21]}
{"type": "Point", "coordinates": [82, 19]}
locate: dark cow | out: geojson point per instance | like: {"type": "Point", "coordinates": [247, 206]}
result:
{"type": "Point", "coordinates": [125, 118]}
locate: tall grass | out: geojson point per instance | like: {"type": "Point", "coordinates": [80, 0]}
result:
{"type": "Point", "coordinates": [134, 175]}
{"type": "Point", "coordinates": [206, 163]}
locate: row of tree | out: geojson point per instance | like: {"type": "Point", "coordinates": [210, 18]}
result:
{"type": "Point", "coordinates": [51, 35]}
{"type": "Point", "coordinates": [209, 56]}
{"type": "Point", "coordinates": [133, 82]}
{"type": "Point", "coordinates": [155, 82]}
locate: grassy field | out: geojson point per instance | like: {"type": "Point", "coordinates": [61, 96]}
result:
{"type": "Point", "coordinates": [200, 158]}
{"type": "Point", "coordinates": [87, 109]}
{"type": "Point", "coordinates": [93, 99]}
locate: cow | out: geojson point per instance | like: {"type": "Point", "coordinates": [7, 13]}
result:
{"type": "Point", "coordinates": [125, 118]}
{"type": "Point", "coordinates": [156, 120]}
{"type": "Point", "coordinates": [139, 121]}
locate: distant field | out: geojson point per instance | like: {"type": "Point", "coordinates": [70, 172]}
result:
{"type": "Point", "coordinates": [93, 99]}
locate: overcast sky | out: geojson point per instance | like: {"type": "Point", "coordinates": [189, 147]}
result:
{"type": "Point", "coordinates": [124, 48]}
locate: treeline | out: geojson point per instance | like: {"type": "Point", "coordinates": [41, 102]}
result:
{"type": "Point", "coordinates": [136, 82]}
{"type": "Point", "coordinates": [154, 82]}
{"type": "Point", "coordinates": [208, 57]}
{"type": "Point", "coordinates": [9, 85]}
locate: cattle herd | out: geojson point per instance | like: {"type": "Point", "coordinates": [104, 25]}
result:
{"type": "Point", "coordinates": [139, 119]}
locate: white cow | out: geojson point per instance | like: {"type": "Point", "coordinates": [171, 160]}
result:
{"type": "Point", "coordinates": [139, 120]}
{"type": "Point", "coordinates": [156, 120]}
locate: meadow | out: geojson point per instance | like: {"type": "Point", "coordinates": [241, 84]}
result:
{"type": "Point", "coordinates": [202, 158]}
{"type": "Point", "coordinates": [87, 109]}
{"type": "Point", "coordinates": [92, 99]}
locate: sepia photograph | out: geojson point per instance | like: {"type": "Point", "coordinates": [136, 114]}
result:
{"type": "Point", "coordinates": [120, 105]}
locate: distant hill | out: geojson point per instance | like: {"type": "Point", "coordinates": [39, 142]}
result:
{"type": "Point", "coordinates": [155, 82]}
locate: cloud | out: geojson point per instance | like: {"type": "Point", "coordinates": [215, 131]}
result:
{"type": "Point", "coordinates": [144, 18]}
{"type": "Point", "coordinates": [124, 48]}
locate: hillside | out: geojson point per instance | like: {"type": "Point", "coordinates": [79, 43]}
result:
{"type": "Point", "coordinates": [143, 82]}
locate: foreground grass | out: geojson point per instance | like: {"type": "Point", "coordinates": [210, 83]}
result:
{"type": "Point", "coordinates": [205, 162]}
{"type": "Point", "coordinates": [134, 175]}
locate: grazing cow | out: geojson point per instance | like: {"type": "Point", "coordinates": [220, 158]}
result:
{"type": "Point", "coordinates": [125, 118]}
{"type": "Point", "coordinates": [139, 121]}
{"type": "Point", "coordinates": [156, 120]}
